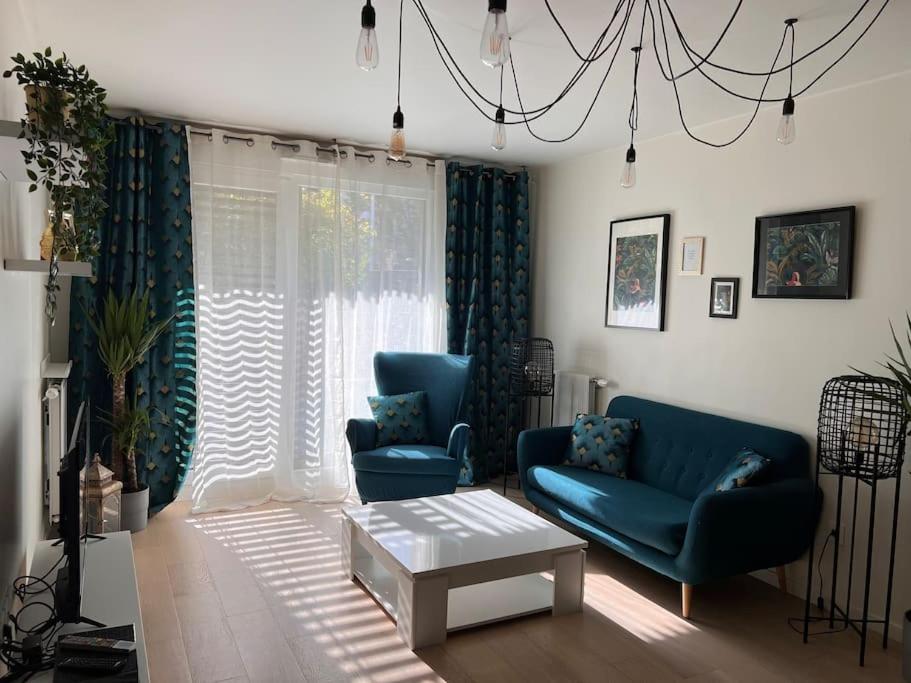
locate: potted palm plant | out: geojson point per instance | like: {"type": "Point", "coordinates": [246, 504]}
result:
{"type": "Point", "coordinates": [126, 331]}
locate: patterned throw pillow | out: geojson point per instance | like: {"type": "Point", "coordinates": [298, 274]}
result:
{"type": "Point", "coordinates": [400, 418]}
{"type": "Point", "coordinates": [741, 470]}
{"type": "Point", "coordinates": [602, 444]}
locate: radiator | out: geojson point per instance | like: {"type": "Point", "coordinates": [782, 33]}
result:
{"type": "Point", "coordinates": [575, 393]}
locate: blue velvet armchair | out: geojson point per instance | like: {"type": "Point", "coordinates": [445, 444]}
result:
{"type": "Point", "coordinates": [415, 470]}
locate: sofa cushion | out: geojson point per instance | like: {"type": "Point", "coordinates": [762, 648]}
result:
{"type": "Point", "coordinates": [745, 467]}
{"type": "Point", "coordinates": [601, 444]}
{"type": "Point", "coordinates": [400, 419]}
{"type": "Point", "coordinates": [406, 459]}
{"type": "Point", "coordinates": [645, 514]}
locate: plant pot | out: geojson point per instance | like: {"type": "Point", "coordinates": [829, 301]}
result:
{"type": "Point", "coordinates": [906, 647]}
{"type": "Point", "coordinates": [39, 97]}
{"type": "Point", "coordinates": [134, 510]}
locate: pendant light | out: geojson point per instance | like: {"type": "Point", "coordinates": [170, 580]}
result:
{"type": "Point", "coordinates": [495, 37]}
{"type": "Point", "coordinates": [368, 53]}
{"type": "Point", "coordinates": [498, 141]}
{"type": "Point", "coordinates": [397, 139]}
{"type": "Point", "coordinates": [397, 149]}
{"type": "Point", "coordinates": [628, 174]}
{"type": "Point", "coordinates": [787, 127]}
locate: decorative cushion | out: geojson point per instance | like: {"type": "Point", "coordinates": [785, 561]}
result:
{"type": "Point", "coordinates": [741, 470]}
{"type": "Point", "coordinates": [400, 418]}
{"type": "Point", "coordinates": [602, 444]}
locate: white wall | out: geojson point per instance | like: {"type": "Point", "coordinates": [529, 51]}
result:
{"type": "Point", "coordinates": [769, 365]}
{"type": "Point", "coordinates": [23, 343]}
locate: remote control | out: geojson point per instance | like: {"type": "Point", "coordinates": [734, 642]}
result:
{"type": "Point", "coordinates": [95, 663]}
{"type": "Point", "coordinates": [94, 644]}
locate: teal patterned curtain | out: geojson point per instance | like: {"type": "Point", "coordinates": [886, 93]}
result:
{"type": "Point", "coordinates": [487, 291]}
{"type": "Point", "coordinates": [146, 243]}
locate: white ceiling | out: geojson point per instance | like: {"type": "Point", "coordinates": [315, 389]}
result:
{"type": "Point", "coordinates": [288, 66]}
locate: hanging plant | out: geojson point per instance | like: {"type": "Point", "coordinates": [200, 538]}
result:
{"type": "Point", "coordinates": [67, 131]}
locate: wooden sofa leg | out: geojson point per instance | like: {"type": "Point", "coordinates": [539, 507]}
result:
{"type": "Point", "coordinates": [782, 578]}
{"type": "Point", "coordinates": [686, 595]}
{"type": "Point", "coordinates": [535, 509]}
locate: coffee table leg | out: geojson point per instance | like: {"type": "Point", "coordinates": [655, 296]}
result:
{"type": "Point", "coordinates": [421, 610]}
{"type": "Point", "coordinates": [569, 582]}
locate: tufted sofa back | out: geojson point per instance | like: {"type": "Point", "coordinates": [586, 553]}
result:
{"type": "Point", "coordinates": [680, 451]}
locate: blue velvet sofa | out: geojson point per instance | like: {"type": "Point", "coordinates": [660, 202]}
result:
{"type": "Point", "coordinates": [662, 516]}
{"type": "Point", "coordinates": [407, 471]}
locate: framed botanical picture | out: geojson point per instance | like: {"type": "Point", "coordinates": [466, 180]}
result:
{"type": "Point", "coordinates": [723, 296]}
{"type": "Point", "coordinates": [691, 256]}
{"type": "Point", "coordinates": [805, 255]}
{"type": "Point", "coordinates": [637, 272]}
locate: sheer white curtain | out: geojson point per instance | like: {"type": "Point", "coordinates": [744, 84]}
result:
{"type": "Point", "coordinates": [305, 264]}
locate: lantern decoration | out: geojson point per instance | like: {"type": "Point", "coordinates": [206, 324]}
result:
{"type": "Point", "coordinates": [102, 499]}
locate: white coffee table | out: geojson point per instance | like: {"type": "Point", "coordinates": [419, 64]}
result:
{"type": "Point", "coordinates": [444, 563]}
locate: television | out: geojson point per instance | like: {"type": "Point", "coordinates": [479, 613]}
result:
{"type": "Point", "coordinates": [68, 586]}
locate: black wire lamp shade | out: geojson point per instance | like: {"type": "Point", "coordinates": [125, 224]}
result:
{"type": "Point", "coordinates": [862, 427]}
{"type": "Point", "coordinates": [531, 367]}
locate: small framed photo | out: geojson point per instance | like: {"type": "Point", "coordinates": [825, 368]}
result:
{"type": "Point", "coordinates": [724, 294]}
{"type": "Point", "coordinates": [805, 255]}
{"type": "Point", "coordinates": [691, 256]}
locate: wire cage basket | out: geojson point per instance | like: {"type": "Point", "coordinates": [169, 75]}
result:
{"type": "Point", "coordinates": [862, 427]}
{"type": "Point", "coordinates": [531, 367]}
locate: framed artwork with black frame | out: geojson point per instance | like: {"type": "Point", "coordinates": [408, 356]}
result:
{"type": "Point", "coordinates": [723, 296]}
{"type": "Point", "coordinates": [637, 272]}
{"type": "Point", "coordinates": [804, 255]}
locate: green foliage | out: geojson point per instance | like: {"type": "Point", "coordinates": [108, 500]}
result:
{"type": "Point", "coordinates": [635, 271]}
{"type": "Point", "coordinates": [810, 251]}
{"type": "Point", "coordinates": [899, 365]}
{"type": "Point", "coordinates": [125, 331]}
{"type": "Point", "coordinates": [67, 132]}
{"type": "Point", "coordinates": [133, 423]}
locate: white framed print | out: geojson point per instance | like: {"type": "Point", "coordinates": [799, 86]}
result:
{"type": "Point", "coordinates": [691, 255]}
{"type": "Point", "coordinates": [637, 272]}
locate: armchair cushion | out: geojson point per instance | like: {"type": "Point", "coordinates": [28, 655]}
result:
{"type": "Point", "coordinates": [400, 419]}
{"type": "Point", "coordinates": [649, 515]}
{"type": "Point", "coordinates": [601, 444]}
{"type": "Point", "coordinates": [410, 459]}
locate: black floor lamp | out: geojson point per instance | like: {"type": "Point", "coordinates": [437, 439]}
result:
{"type": "Point", "coordinates": [861, 436]}
{"type": "Point", "coordinates": [531, 376]}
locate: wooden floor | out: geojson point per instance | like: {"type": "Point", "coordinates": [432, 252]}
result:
{"type": "Point", "coordinates": [258, 595]}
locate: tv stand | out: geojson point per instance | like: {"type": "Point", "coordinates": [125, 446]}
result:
{"type": "Point", "coordinates": [109, 591]}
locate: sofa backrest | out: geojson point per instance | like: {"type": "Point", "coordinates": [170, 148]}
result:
{"type": "Point", "coordinates": [445, 377]}
{"type": "Point", "coordinates": [681, 451]}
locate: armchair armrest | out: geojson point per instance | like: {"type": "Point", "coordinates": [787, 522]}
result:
{"type": "Point", "coordinates": [361, 435]}
{"type": "Point", "coordinates": [459, 439]}
{"type": "Point", "coordinates": [545, 446]}
{"type": "Point", "coordinates": [739, 531]}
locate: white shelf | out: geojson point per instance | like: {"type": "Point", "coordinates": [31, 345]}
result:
{"type": "Point", "coordinates": [469, 606]}
{"type": "Point", "coordinates": [67, 268]}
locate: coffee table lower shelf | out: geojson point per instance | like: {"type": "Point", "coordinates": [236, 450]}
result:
{"type": "Point", "coordinates": [468, 606]}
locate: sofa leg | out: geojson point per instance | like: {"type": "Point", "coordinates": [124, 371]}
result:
{"type": "Point", "coordinates": [782, 578]}
{"type": "Point", "coordinates": [535, 509]}
{"type": "Point", "coordinates": [686, 595]}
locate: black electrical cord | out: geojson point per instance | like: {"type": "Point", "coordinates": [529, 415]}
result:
{"type": "Point", "coordinates": [590, 57]}
{"type": "Point", "coordinates": [594, 100]}
{"type": "Point", "coordinates": [398, 87]}
{"type": "Point", "coordinates": [442, 49]}
{"type": "Point", "coordinates": [766, 74]}
{"type": "Point", "coordinates": [759, 101]}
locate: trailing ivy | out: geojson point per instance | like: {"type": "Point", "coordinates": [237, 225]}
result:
{"type": "Point", "coordinates": [67, 131]}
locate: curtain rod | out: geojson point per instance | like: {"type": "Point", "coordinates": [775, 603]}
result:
{"type": "Point", "coordinates": [369, 156]}
{"type": "Point", "coordinates": [296, 147]}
